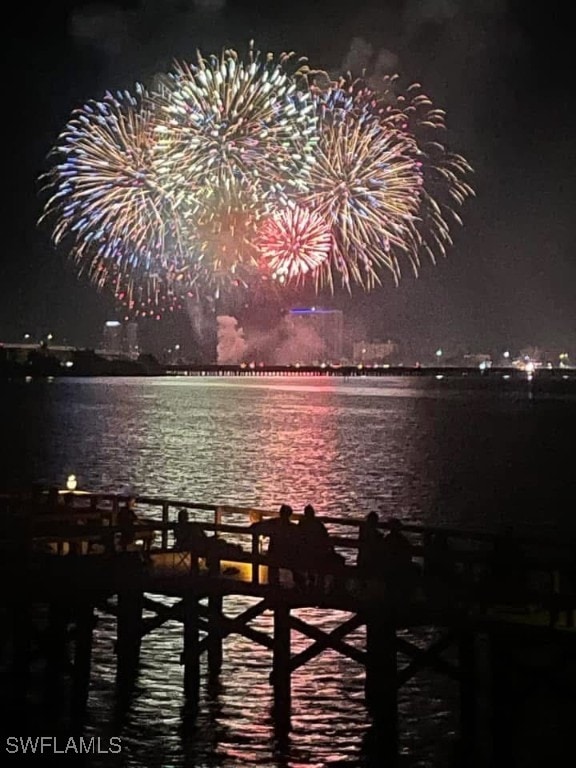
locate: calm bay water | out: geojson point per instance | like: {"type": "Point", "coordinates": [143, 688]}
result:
{"type": "Point", "coordinates": [476, 454]}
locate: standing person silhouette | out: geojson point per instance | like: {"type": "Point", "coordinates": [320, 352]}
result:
{"type": "Point", "coordinates": [370, 540]}
{"type": "Point", "coordinates": [317, 552]}
{"type": "Point", "coordinates": [396, 550]}
{"type": "Point", "coordinates": [282, 547]}
{"type": "Point", "coordinates": [127, 522]}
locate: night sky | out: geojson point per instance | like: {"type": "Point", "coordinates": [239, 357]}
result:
{"type": "Point", "coordinates": [500, 69]}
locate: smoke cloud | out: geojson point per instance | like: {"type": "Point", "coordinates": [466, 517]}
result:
{"type": "Point", "coordinates": [283, 345]}
{"type": "Point", "coordinates": [231, 344]}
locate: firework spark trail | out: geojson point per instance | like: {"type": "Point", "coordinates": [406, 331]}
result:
{"type": "Point", "coordinates": [153, 293]}
{"type": "Point", "coordinates": [246, 137]}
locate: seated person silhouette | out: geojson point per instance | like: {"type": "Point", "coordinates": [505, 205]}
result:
{"type": "Point", "coordinates": [129, 525]}
{"type": "Point", "coordinates": [189, 535]}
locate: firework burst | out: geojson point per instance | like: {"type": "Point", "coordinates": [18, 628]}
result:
{"type": "Point", "coordinates": [412, 114]}
{"type": "Point", "coordinates": [240, 123]}
{"type": "Point", "coordinates": [366, 183]}
{"type": "Point", "coordinates": [293, 243]}
{"type": "Point", "coordinates": [234, 174]}
{"type": "Point", "coordinates": [115, 195]}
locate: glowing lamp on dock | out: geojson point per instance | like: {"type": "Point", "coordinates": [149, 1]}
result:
{"type": "Point", "coordinates": [71, 483]}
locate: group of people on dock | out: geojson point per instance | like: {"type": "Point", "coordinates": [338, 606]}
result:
{"type": "Point", "coordinates": [303, 548]}
{"type": "Point", "coordinates": [438, 563]}
{"type": "Point", "coordinates": [306, 549]}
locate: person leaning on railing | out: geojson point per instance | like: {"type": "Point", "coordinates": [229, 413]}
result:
{"type": "Point", "coordinates": [318, 556]}
{"type": "Point", "coordinates": [387, 559]}
{"type": "Point", "coordinates": [369, 547]}
{"type": "Point", "coordinates": [283, 547]}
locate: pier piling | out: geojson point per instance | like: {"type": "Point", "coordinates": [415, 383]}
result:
{"type": "Point", "coordinates": [281, 667]}
{"type": "Point", "coordinates": [381, 682]}
{"type": "Point", "coordinates": [214, 635]}
{"type": "Point", "coordinates": [56, 638]}
{"type": "Point", "coordinates": [85, 623]}
{"type": "Point", "coordinates": [191, 654]}
{"type": "Point", "coordinates": [468, 696]}
{"type": "Point", "coordinates": [129, 633]}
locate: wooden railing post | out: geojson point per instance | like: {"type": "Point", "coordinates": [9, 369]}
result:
{"type": "Point", "coordinates": [165, 521]}
{"type": "Point", "coordinates": [255, 558]}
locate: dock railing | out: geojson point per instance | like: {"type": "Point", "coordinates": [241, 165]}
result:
{"type": "Point", "coordinates": [87, 523]}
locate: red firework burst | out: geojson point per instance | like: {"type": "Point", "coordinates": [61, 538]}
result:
{"type": "Point", "coordinates": [293, 243]}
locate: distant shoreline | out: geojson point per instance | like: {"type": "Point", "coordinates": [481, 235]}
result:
{"type": "Point", "coordinates": [556, 377]}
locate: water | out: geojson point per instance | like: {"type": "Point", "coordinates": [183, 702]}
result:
{"type": "Point", "coordinates": [430, 451]}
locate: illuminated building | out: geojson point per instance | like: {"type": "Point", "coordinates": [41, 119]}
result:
{"type": "Point", "coordinates": [321, 332]}
{"type": "Point", "coordinates": [112, 338]}
{"type": "Point", "coordinates": [374, 353]}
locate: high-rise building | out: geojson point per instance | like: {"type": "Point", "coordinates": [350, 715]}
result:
{"type": "Point", "coordinates": [112, 338]}
{"type": "Point", "coordinates": [131, 345]}
{"type": "Point", "coordinates": [321, 332]}
{"type": "Point", "coordinates": [120, 339]}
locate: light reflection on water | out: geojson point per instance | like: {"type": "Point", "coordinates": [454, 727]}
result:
{"type": "Point", "coordinates": [423, 452]}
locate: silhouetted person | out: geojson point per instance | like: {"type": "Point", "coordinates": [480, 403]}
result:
{"type": "Point", "coordinates": [396, 546]}
{"type": "Point", "coordinates": [282, 549]}
{"type": "Point", "coordinates": [127, 522]}
{"type": "Point", "coordinates": [189, 535]}
{"type": "Point", "coordinates": [396, 552]}
{"type": "Point", "coordinates": [370, 547]}
{"type": "Point", "coordinates": [317, 552]}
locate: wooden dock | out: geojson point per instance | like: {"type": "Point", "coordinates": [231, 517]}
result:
{"type": "Point", "coordinates": [65, 557]}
